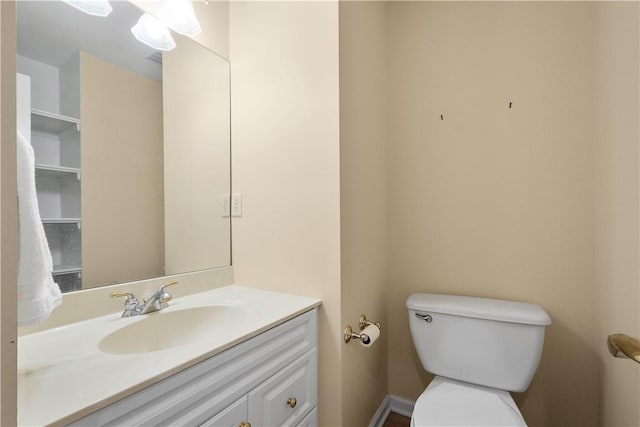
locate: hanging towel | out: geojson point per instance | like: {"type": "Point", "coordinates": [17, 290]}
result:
{"type": "Point", "coordinates": [38, 294]}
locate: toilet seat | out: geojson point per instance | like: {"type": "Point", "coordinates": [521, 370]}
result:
{"type": "Point", "coordinates": [448, 402]}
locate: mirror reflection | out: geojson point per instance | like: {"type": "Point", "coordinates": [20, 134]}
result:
{"type": "Point", "coordinates": [132, 146]}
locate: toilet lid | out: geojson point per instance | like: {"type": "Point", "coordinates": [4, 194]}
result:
{"type": "Point", "coordinates": [448, 402]}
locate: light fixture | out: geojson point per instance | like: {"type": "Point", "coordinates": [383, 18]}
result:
{"type": "Point", "coordinates": [179, 16]}
{"type": "Point", "coordinates": [152, 29]}
{"type": "Point", "coordinates": [91, 7]}
{"type": "Point", "coordinates": [154, 33]}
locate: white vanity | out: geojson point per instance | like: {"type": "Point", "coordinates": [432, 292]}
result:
{"type": "Point", "coordinates": [247, 357]}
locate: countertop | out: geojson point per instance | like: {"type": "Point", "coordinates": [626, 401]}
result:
{"type": "Point", "coordinates": [63, 376]}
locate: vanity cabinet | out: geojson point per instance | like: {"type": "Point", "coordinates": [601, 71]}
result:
{"type": "Point", "coordinates": [267, 380]}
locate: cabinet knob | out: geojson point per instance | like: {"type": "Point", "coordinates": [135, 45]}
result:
{"type": "Point", "coordinates": [292, 402]}
{"type": "Point", "coordinates": [245, 425]}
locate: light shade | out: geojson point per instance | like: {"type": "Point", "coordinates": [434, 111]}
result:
{"type": "Point", "coordinates": [91, 7]}
{"type": "Point", "coordinates": [179, 16]}
{"type": "Point", "coordinates": [153, 33]}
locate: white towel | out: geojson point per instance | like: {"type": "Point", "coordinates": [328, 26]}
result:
{"type": "Point", "coordinates": [38, 294]}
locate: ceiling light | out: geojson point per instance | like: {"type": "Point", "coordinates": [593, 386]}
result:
{"type": "Point", "coordinates": [179, 16]}
{"type": "Point", "coordinates": [153, 33]}
{"type": "Point", "coordinates": [91, 7]}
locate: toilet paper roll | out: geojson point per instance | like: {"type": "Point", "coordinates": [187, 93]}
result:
{"type": "Point", "coordinates": [369, 335]}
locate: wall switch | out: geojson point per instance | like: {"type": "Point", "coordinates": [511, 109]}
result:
{"type": "Point", "coordinates": [236, 204]}
{"type": "Point", "coordinates": [226, 205]}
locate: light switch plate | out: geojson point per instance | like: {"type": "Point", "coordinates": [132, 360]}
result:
{"type": "Point", "coordinates": [236, 204]}
{"type": "Point", "coordinates": [226, 205]}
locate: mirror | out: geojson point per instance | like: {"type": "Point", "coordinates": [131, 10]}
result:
{"type": "Point", "coordinates": [132, 146]}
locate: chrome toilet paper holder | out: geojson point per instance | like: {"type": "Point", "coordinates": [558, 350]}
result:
{"type": "Point", "coordinates": [363, 323]}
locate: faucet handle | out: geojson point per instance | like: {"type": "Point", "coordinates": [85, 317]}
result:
{"type": "Point", "coordinates": [130, 296]}
{"type": "Point", "coordinates": [162, 288]}
{"type": "Point", "coordinates": [131, 304]}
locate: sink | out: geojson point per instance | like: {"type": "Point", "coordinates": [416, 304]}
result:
{"type": "Point", "coordinates": [163, 330]}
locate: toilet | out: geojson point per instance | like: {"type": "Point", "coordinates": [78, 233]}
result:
{"type": "Point", "coordinates": [479, 350]}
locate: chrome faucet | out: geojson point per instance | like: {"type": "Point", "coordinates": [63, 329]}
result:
{"type": "Point", "coordinates": [157, 301]}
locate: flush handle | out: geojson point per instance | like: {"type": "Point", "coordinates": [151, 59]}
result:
{"type": "Point", "coordinates": [426, 317]}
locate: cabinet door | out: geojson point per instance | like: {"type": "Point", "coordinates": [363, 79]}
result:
{"type": "Point", "coordinates": [285, 399]}
{"type": "Point", "coordinates": [311, 420]}
{"type": "Point", "coordinates": [232, 416]}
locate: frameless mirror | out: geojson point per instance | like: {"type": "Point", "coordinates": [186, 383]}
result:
{"type": "Point", "coordinates": [132, 146]}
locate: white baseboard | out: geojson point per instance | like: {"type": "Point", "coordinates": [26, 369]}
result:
{"type": "Point", "coordinates": [381, 414]}
{"type": "Point", "coordinates": [391, 403]}
{"type": "Point", "coordinates": [401, 406]}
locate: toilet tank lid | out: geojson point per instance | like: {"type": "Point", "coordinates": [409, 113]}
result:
{"type": "Point", "coordinates": [480, 308]}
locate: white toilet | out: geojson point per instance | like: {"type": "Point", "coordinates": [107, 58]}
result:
{"type": "Point", "coordinates": [479, 349]}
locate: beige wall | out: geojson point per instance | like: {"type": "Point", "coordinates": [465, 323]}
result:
{"type": "Point", "coordinates": [197, 152]}
{"type": "Point", "coordinates": [363, 202]}
{"type": "Point", "coordinates": [492, 201]}
{"type": "Point", "coordinates": [122, 174]}
{"type": "Point", "coordinates": [8, 214]}
{"type": "Point", "coordinates": [285, 128]}
{"type": "Point", "coordinates": [617, 277]}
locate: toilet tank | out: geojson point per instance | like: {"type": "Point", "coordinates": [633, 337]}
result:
{"type": "Point", "coordinates": [489, 342]}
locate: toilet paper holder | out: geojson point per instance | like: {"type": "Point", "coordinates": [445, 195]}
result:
{"type": "Point", "coordinates": [362, 323]}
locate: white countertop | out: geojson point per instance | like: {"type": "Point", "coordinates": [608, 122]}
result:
{"type": "Point", "coordinates": [63, 376]}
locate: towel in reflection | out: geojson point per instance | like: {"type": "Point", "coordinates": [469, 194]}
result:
{"type": "Point", "coordinates": [38, 294]}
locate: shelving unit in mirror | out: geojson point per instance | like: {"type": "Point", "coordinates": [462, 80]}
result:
{"type": "Point", "coordinates": [56, 142]}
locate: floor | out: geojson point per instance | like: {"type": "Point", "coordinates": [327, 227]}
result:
{"type": "Point", "coordinates": [397, 420]}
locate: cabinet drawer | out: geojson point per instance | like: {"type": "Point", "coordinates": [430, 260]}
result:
{"type": "Point", "coordinates": [284, 399]}
{"type": "Point", "coordinates": [234, 415]}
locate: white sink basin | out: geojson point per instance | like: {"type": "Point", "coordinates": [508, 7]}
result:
{"type": "Point", "coordinates": [162, 330]}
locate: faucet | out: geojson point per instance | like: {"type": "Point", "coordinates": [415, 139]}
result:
{"type": "Point", "coordinates": [157, 301]}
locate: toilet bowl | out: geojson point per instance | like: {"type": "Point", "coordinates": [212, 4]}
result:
{"type": "Point", "coordinates": [448, 402]}
{"type": "Point", "coordinates": [479, 349]}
